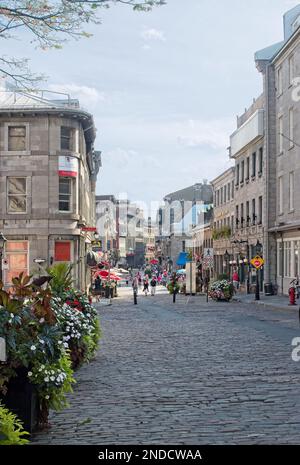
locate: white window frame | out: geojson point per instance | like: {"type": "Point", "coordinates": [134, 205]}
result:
{"type": "Point", "coordinates": [27, 139]}
{"type": "Point", "coordinates": [279, 81]}
{"type": "Point", "coordinates": [291, 69]}
{"type": "Point", "coordinates": [9, 195]}
{"type": "Point", "coordinates": [70, 195]}
{"type": "Point", "coordinates": [280, 132]}
{"type": "Point", "coordinates": [291, 191]}
{"type": "Point", "coordinates": [280, 195]}
{"type": "Point", "coordinates": [291, 127]}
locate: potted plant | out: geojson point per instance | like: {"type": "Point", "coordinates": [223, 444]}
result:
{"type": "Point", "coordinates": [221, 290]}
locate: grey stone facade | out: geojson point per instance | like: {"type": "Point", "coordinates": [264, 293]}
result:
{"type": "Point", "coordinates": [223, 220]}
{"type": "Point", "coordinates": [41, 217]}
{"type": "Point", "coordinates": [280, 66]}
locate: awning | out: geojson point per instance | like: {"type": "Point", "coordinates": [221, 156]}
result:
{"type": "Point", "coordinates": [182, 259]}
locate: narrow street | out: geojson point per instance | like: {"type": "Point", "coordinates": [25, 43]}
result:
{"type": "Point", "coordinates": [189, 373]}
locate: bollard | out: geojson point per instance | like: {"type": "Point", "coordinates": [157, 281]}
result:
{"type": "Point", "coordinates": [292, 296]}
{"type": "Point", "coordinates": [135, 297]}
{"type": "Point", "coordinates": [174, 296]}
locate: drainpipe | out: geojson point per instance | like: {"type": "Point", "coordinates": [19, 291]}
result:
{"type": "Point", "coordinates": [282, 262]}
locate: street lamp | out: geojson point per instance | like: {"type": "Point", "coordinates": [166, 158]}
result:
{"type": "Point", "coordinates": [258, 250]}
{"type": "Point", "coordinates": [2, 244]}
{"type": "Point", "coordinates": [226, 258]}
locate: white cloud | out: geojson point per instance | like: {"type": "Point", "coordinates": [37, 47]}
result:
{"type": "Point", "coordinates": [153, 34]}
{"type": "Point", "coordinates": [87, 96]}
{"type": "Point", "coordinates": [199, 133]}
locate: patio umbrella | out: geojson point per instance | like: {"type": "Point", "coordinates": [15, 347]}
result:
{"type": "Point", "coordinates": [181, 271]}
{"type": "Point", "coordinates": [154, 262]}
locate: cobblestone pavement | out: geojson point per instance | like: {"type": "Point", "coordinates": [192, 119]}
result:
{"type": "Point", "coordinates": [186, 373]}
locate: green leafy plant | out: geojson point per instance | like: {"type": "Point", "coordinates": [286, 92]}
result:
{"type": "Point", "coordinates": [11, 428]}
{"type": "Point", "coordinates": [61, 277]}
{"type": "Point", "coordinates": [221, 233]}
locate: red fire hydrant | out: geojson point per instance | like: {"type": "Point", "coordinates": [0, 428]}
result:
{"type": "Point", "coordinates": [292, 295]}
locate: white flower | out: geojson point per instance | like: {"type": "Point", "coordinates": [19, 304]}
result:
{"type": "Point", "coordinates": [46, 379]}
{"type": "Point", "coordinates": [42, 320]}
{"type": "Point", "coordinates": [52, 378]}
{"type": "Point", "coordinates": [66, 344]}
{"type": "Point", "coordinates": [33, 347]}
{"type": "Point", "coordinates": [12, 315]}
{"type": "Point", "coordinates": [42, 341]}
{"type": "Point", "coordinates": [60, 342]}
{"type": "Point", "coordinates": [47, 397]}
{"type": "Point", "coordinates": [29, 373]}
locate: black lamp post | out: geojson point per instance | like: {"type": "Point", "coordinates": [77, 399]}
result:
{"type": "Point", "coordinates": [2, 244]}
{"type": "Point", "coordinates": [258, 250]}
{"type": "Point", "coordinates": [226, 258]}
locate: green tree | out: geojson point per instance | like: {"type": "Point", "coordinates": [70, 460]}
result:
{"type": "Point", "coordinates": [50, 23]}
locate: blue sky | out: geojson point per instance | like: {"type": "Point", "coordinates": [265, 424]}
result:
{"type": "Point", "coordinates": [164, 87]}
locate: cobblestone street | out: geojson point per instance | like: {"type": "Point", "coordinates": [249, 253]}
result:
{"type": "Point", "coordinates": [186, 373]}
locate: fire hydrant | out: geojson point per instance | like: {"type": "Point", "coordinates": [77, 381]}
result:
{"type": "Point", "coordinates": [292, 295]}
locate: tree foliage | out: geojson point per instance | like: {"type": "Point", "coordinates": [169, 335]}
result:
{"type": "Point", "coordinates": [50, 23]}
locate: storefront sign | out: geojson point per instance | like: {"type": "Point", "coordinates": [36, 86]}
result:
{"type": "Point", "coordinates": [68, 166]}
{"type": "Point", "coordinates": [88, 228]}
{"type": "Point", "coordinates": [257, 262]}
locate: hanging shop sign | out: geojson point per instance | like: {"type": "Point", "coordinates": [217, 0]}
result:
{"type": "Point", "coordinates": [68, 166]}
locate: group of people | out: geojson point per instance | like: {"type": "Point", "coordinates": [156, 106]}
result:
{"type": "Point", "coordinates": [153, 281]}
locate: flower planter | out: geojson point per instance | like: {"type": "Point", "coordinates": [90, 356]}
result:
{"type": "Point", "coordinates": [22, 399]}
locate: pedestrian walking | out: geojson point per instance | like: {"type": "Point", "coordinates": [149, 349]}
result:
{"type": "Point", "coordinates": [146, 287]}
{"type": "Point", "coordinates": [153, 286]}
{"type": "Point", "coordinates": [235, 280]}
{"type": "Point", "coordinates": [135, 284]}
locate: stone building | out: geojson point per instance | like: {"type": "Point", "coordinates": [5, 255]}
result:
{"type": "Point", "coordinates": [247, 150]}
{"type": "Point", "coordinates": [181, 212]}
{"type": "Point", "coordinates": [280, 67]}
{"type": "Point", "coordinates": [223, 220]}
{"type": "Point", "coordinates": [107, 226]}
{"type": "Point", "coordinates": [48, 171]}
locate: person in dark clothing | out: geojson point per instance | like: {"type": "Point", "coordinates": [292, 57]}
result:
{"type": "Point", "coordinates": [153, 286]}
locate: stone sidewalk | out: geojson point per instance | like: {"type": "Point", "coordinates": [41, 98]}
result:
{"type": "Point", "coordinates": [273, 301]}
{"type": "Point", "coordinates": [186, 373]}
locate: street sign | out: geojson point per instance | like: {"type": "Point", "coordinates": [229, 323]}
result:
{"type": "Point", "coordinates": [208, 258]}
{"type": "Point", "coordinates": [257, 262]}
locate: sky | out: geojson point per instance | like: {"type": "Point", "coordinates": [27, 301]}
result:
{"type": "Point", "coordinates": [164, 87]}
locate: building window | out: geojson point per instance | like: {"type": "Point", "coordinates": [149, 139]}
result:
{"type": "Point", "coordinates": [17, 258]}
{"type": "Point", "coordinates": [291, 191]}
{"type": "Point", "coordinates": [296, 258]}
{"type": "Point", "coordinates": [291, 127]}
{"type": "Point", "coordinates": [225, 194]}
{"type": "Point", "coordinates": [242, 215]}
{"type": "Point", "coordinates": [237, 175]}
{"type": "Point", "coordinates": [291, 69]}
{"type": "Point", "coordinates": [248, 212]}
{"type": "Point", "coordinates": [287, 259]}
{"type": "Point", "coordinates": [237, 216]}
{"type": "Point", "coordinates": [260, 161]}
{"type": "Point", "coordinates": [221, 195]}
{"type": "Point", "coordinates": [280, 130]}
{"type": "Point", "coordinates": [280, 195]}
{"type": "Point", "coordinates": [232, 189]}
{"type": "Point", "coordinates": [279, 81]}
{"type": "Point", "coordinates": [183, 246]}
{"type": "Point", "coordinates": [260, 210]}
{"type": "Point", "coordinates": [16, 195]}
{"type": "Point", "coordinates": [280, 259]}
{"type": "Point", "coordinates": [247, 168]}
{"type": "Point", "coordinates": [17, 138]}
{"type": "Point", "coordinates": [62, 251]}
{"type": "Point", "coordinates": [65, 194]}
{"type": "Point", "coordinates": [228, 192]}
{"type": "Point", "coordinates": [253, 174]}
{"type": "Point", "coordinates": [242, 171]}
{"type": "Point", "coordinates": [254, 216]}
{"type": "Point", "coordinates": [66, 138]}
